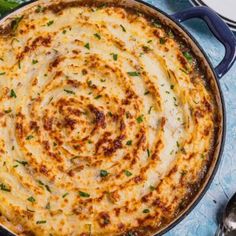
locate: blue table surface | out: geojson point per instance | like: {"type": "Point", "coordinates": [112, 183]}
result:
{"type": "Point", "coordinates": [203, 220]}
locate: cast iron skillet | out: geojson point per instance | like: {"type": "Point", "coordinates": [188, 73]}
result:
{"type": "Point", "coordinates": [225, 36]}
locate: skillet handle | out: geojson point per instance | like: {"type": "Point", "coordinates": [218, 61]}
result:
{"type": "Point", "coordinates": [219, 28]}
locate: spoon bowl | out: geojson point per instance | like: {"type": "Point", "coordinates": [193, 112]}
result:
{"type": "Point", "coordinates": [228, 225]}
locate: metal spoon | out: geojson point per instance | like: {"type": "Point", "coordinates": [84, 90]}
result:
{"type": "Point", "coordinates": [228, 225]}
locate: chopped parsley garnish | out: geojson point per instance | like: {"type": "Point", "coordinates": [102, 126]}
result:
{"type": "Point", "coordinates": [83, 194]}
{"type": "Point", "coordinates": [202, 156]}
{"type": "Point", "coordinates": [24, 163]}
{"type": "Point", "coordinates": [184, 172]}
{"type": "Point", "coordinates": [133, 73]}
{"type": "Point", "coordinates": [69, 91]}
{"type": "Point", "coordinates": [29, 137]}
{"type": "Point", "coordinates": [162, 40]}
{"type": "Point", "coordinates": [40, 182]}
{"type": "Point", "coordinates": [2, 73]}
{"type": "Point", "coordinates": [48, 206]}
{"type": "Point", "coordinates": [64, 31]}
{"type": "Point", "coordinates": [146, 93]}
{"type": "Point", "coordinates": [188, 56]}
{"type": "Point", "coordinates": [149, 41]}
{"type": "Point", "coordinates": [66, 194]}
{"type": "Point", "coordinates": [97, 36]}
{"type": "Point", "coordinates": [127, 173]}
{"type": "Point", "coordinates": [3, 187]}
{"type": "Point", "coordinates": [115, 56]}
{"type": "Point", "coordinates": [146, 211]}
{"type": "Point", "coordinates": [148, 152]}
{"type": "Point", "coordinates": [50, 22]}
{"type": "Point", "coordinates": [29, 210]}
{"type": "Point", "coordinates": [35, 62]}
{"type": "Point", "coordinates": [87, 45]}
{"type": "Point", "coordinates": [171, 34]}
{"type": "Point", "coordinates": [48, 188]}
{"type": "Point", "coordinates": [31, 199]}
{"type": "Point", "coordinates": [8, 111]}
{"type": "Point", "coordinates": [15, 23]}
{"type": "Point", "coordinates": [129, 143]}
{"type": "Point", "coordinates": [172, 86]}
{"type": "Point", "coordinates": [150, 110]}
{"type": "Point", "coordinates": [140, 119]}
{"type": "Point", "coordinates": [103, 173]}
{"type": "Point", "coordinates": [152, 188]}
{"type": "Point", "coordinates": [99, 96]}
{"type": "Point", "coordinates": [156, 24]}
{"type": "Point", "coordinates": [123, 28]}
{"type": "Point", "coordinates": [177, 144]}
{"type": "Point", "coordinates": [41, 222]}
{"type": "Point", "coordinates": [185, 72]}
{"type": "Point", "coordinates": [39, 9]}
{"type": "Point", "coordinates": [12, 94]}
{"type": "Point", "coordinates": [146, 49]}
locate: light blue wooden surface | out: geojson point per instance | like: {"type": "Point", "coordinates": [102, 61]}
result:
{"type": "Point", "coordinates": [203, 219]}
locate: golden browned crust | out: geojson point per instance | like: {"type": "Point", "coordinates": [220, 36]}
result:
{"type": "Point", "coordinates": [107, 126]}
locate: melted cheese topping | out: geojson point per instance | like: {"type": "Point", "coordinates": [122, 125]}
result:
{"type": "Point", "coordinates": [105, 122]}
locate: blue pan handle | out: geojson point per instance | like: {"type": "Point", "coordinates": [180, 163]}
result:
{"type": "Point", "coordinates": [218, 28]}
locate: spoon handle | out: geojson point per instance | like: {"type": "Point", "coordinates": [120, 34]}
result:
{"type": "Point", "coordinates": [220, 231]}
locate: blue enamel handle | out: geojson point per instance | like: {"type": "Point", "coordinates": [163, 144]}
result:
{"type": "Point", "coordinates": [219, 29]}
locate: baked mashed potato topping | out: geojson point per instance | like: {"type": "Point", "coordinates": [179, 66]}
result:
{"type": "Point", "coordinates": [105, 122]}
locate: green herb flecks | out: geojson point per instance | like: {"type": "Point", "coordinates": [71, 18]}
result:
{"type": "Point", "coordinates": [64, 195]}
{"type": "Point", "coordinates": [15, 23]}
{"type": "Point", "coordinates": [152, 188]}
{"type": "Point", "coordinates": [39, 9]}
{"type": "Point", "coordinates": [2, 73]}
{"type": "Point", "coordinates": [50, 22]}
{"type": "Point", "coordinates": [8, 111]}
{"type": "Point", "coordinates": [29, 137]}
{"type": "Point", "coordinates": [34, 62]}
{"type": "Point", "coordinates": [87, 45]}
{"type": "Point", "coordinates": [150, 110]}
{"type": "Point", "coordinates": [48, 206]}
{"type": "Point", "coordinates": [146, 211]}
{"type": "Point", "coordinates": [23, 163]}
{"type": "Point", "coordinates": [115, 56]}
{"type": "Point", "coordinates": [97, 97]}
{"type": "Point", "coordinates": [129, 143]}
{"type": "Point", "coordinates": [148, 153]}
{"type": "Point", "coordinates": [123, 28]}
{"type": "Point", "coordinates": [104, 173]}
{"type": "Point", "coordinates": [156, 24]}
{"type": "Point", "coordinates": [162, 40]}
{"type": "Point", "coordinates": [98, 36]}
{"type": "Point", "coordinates": [128, 173]}
{"type": "Point", "coordinates": [31, 199]}
{"type": "Point", "coordinates": [3, 187]}
{"type": "Point", "coordinates": [69, 91]}
{"type": "Point", "coordinates": [83, 194]}
{"type": "Point", "coordinates": [133, 73]}
{"type": "Point", "coordinates": [41, 222]}
{"type": "Point", "coordinates": [48, 188]}
{"type": "Point", "coordinates": [140, 119]}
{"type": "Point", "coordinates": [188, 56]}
{"type": "Point", "coordinates": [12, 94]}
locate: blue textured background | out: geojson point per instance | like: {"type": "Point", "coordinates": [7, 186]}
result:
{"type": "Point", "coordinates": [202, 221]}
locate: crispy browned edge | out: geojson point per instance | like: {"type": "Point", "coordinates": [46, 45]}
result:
{"type": "Point", "coordinates": [200, 68]}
